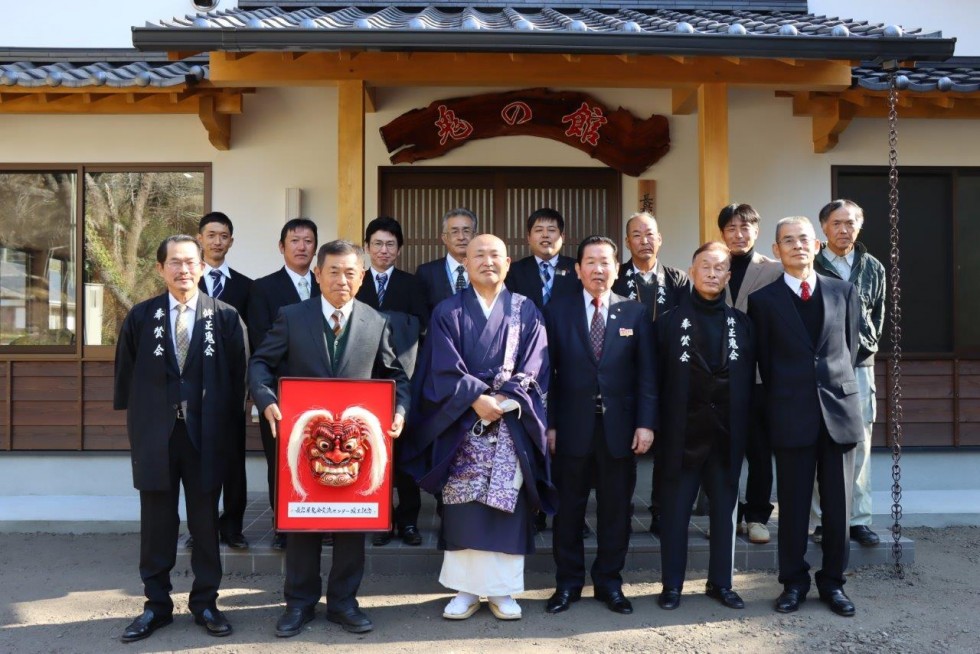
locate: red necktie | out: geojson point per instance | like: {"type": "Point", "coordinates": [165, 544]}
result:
{"type": "Point", "coordinates": [804, 291]}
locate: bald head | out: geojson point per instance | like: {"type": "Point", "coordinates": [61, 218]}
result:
{"type": "Point", "coordinates": [487, 263]}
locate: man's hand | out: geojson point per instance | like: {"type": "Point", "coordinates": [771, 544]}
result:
{"type": "Point", "coordinates": [487, 408]}
{"type": "Point", "coordinates": [642, 440]}
{"type": "Point", "coordinates": [397, 425]}
{"type": "Point", "coordinates": [552, 435]}
{"type": "Point", "coordinates": [273, 415]}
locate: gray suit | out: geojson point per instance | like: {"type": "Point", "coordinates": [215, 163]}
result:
{"type": "Point", "coordinates": [761, 271]}
{"type": "Point", "coordinates": [296, 346]}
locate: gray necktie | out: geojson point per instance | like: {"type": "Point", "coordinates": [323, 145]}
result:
{"type": "Point", "coordinates": [182, 334]}
{"type": "Point", "coordinates": [304, 289]}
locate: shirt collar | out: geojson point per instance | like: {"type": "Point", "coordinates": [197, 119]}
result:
{"type": "Point", "coordinates": [794, 283]}
{"type": "Point", "coordinates": [604, 298]}
{"type": "Point", "coordinates": [650, 275]}
{"type": "Point", "coordinates": [293, 276]}
{"type": "Point", "coordinates": [453, 265]}
{"type": "Point", "coordinates": [375, 272]}
{"type": "Point", "coordinates": [191, 303]}
{"type": "Point", "coordinates": [487, 308]}
{"type": "Point", "coordinates": [328, 309]}
{"type": "Point", "coordinates": [224, 269]}
{"type": "Point", "coordinates": [553, 261]}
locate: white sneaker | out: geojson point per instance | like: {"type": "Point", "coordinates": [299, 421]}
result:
{"type": "Point", "coordinates": [505, 607]}
{"type": "Point", "coordinates": [758, 533]}
{"type": "Point", "coordinates": [461, 607]}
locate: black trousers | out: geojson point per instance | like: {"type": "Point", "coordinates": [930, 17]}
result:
{"type": "Point", "coordinates": [159, 528]}
{"type": "Point", "coordinates": [235, 487]}
{"type": "Point", "coordinates": [614, 482]}
{"type": "Point", "coordinates": [715, 477]}
{"type": "Point", "coordinates": [655, 484]}
{"type": "Point", "coordinates": [406, 513]}
{"type": "Point", "coordinates": [758, 456]}
{"type": "Point", "coordinates": [833, 465]}
{"type": "Point", "coordinates": [304, 587]}
{"type": "Point", "coordinates": [269, 447]}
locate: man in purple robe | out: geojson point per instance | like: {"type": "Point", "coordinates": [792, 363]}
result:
{"type": "Point", "coordinates": [478, 432]}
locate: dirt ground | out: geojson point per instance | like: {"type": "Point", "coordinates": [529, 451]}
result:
{"type": "Point", "coordinates": [63, 593]}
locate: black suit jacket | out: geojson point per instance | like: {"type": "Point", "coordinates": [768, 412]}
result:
{"type": "Point", "coordinates": [236, 291]}
{"type": "Point", "coordinates": [525, 278]}
{"type": "Point", "coordinates": [406, 308]}
{"type": "Point", "coordinates": [269, 294]}
{"type": "Point", "coordinates": [625, 375]}
{"type": "Point", "coordinates": [806, 383]}
{"type": "Point", "coordinates": [632, 286]}
{"type": "Point", "coordinates": [435, 279]}
{"type": "Point", "coordinates": [150, 386]}
{"type": "Point", "coordinates": [297, 347]}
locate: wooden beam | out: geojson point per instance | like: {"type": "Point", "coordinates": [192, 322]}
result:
{"type": "Point", "coordinates": [684, 100]}
{"type": "Point", "coordinates": [712, 156]}
{"type": "Point", "coordinates": [350, 160]}
{"type": "Point", "coordinates": [498, 69]}
{"type": "Point", "coordinates": [789, 62]}
{"type": "Point", "coordinates": [733, 60]}
{"type": "Point", "coordinates": [370, 100]}
{"type": "Point", "coordinates": [830, 123]}
{"type": "Point", "coordinates": [178, 55]}
{"type": "Point", "coordinates": [943, 101]}
{"type": "Point", "coordinates": [217, 124]}
{"type": "Point", "coordinates": [226, 101]}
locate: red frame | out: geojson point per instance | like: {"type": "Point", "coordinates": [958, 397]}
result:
{"type": "Point", "coordinates": [332, 508]}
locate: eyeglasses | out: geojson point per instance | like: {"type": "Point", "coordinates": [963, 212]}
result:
{"type": "Point", "coordinates": [791, 241]}
{"type": "Point", "coordinates": [459, 231]}
{"type": "Point", "coordinates": [180, 264]}
{"type": "Point", "coordinates": [384, 245]}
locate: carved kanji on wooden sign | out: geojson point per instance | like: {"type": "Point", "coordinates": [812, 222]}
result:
{"type": "Point", "coordinates": [616, 138]}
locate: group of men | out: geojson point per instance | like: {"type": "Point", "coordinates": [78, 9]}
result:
{"type": "Point", "coordinates": [520, 389]}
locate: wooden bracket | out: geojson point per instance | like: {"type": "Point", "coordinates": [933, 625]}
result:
{"type": "Point", "coordinates": [217, 124]}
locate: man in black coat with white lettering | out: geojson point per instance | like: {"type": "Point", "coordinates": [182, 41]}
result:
{"type": "Point", "coordinates": [807, 342]}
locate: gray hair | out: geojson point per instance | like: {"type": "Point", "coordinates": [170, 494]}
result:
{"type": "Point", "coordinates": [339, 247]}
{"type": "Point", "coordinates": [831, 207]}
{"type": "Point", "coordinates": [642, 214]}
{"type": "Point", "coordinates": [789, 220]}
{"type": "Point", "coordinates": [459, 211]}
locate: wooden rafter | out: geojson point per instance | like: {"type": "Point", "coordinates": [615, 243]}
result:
{"type": "Point", "coordinates": [831, 113]}
{"type": "Point", "coordinates": [683, 100]}
{"type": "Point", "coordinates": [501, 69]}
{"type": "Point", "coordinates": [216, 123]}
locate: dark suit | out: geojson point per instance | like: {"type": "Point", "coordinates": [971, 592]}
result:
{"type": "Point", "coordinates": [705, 399]}
{"type": "Point", "coordinates": [814, 416]}
{"type": "Point", "coordinates": [235, 291]}
{"type": "Point", "coordinates": [296, 346]}
{"type": "Point", "coordinates": [435, 278]}
{"type": "Point", "coordinates": [524, 278]}
{"type": "Point", "coordinates": [595, 407]}
{"type": "Point", "coordinates": [169, 450]}
{"type": "Point", "coordinates": [269, 294]}
{"type": "Point", "coordinates": [664, 292]}
{"type": "Point", "coordinates": [760, 271]}
{"type": "Point", "coordinates": [406, 308]}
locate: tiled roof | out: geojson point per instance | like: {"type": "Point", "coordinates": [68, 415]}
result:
{"type": "Point", "coordinates": [518, 26]}
{"type": "Point", "coordinates": [720, 5]}
{"type": "Point", "coordinates": [958, 75]}
{"type": "Point", "coordinates": [75, 74]}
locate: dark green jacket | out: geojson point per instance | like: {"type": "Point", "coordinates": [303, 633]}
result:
{"type": "Point", "coordinates": [868, 275]}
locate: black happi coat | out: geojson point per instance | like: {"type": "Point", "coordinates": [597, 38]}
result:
{"type": "Point", "coordinates": [150, 385]}
{"type": "Point", "coordinates": [675, 381]}
{"type": "Point", "coordinates": [631, 285]}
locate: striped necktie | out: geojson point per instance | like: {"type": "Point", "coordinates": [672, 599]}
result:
{"type": "Point", "coordinates": [217, 283]}
{"type": "Point", "coordinates": [545, 282]}
{"type": "Point", "coordinates": [382, 282]}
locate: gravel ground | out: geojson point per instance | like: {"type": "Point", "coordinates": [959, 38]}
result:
{"type": "Point", "coordinates": [64, 593]}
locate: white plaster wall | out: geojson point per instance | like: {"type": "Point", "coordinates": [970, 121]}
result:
{"type": "Point", "coordinates": [87, 24]}
{"type": "Point", "coordinates": [285, 138]}
{"type": "Point", "coordinates": [956, 18]}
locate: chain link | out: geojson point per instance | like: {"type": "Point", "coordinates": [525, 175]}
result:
{"type": "Point", "coordinates": [895, 318]}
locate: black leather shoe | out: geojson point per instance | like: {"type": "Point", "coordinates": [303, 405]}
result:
{"type": "Point", "coordinates": [864, 536]}
{"type": "Point", "coordinates": [279, 541]}
{"type": "Point", "coordinates": [789, 600]}
{"type": "Point", "coordinates": [382, 539]}
{"type": "Point", "coordinates": [214, 621]}
{"type": "Point", "coordinates": [615, 601]}
{"type": "Point", "coordinates": [352, 620]}
{"type": "Point", "coordinates": [145, 625]}
{"type": "Point", "coordinates": [411, 536]}
{"type": "Point", "coordinates": [670, 598]}
{"type": "Point", "coordinates": [726, 596]}
{"type": "Point", "coordinates": [292, 620]}
{"type": "Point", "coordinates": [327, 540]}
{"type": "Point", "coordinates": [234, 541]}
{"type": "Point", "coordinates": [189, 542]}
{"type": "Point", "coordinates": [817, 534]}
{"type": "Point", "coordinates": [561, 600]}
{"type": "Point", "coordinates": [838, 602]}
{"type": "Point", "coordinates": [655, 525]}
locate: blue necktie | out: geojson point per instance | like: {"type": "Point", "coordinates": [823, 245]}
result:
{"type": "Point", "coordinates": [545, 282]}
{"type": "Point", "coordinates": [460, 279]}
{"type": "Point", "coordinates": [382, 281]}
{"type": "Point", "coordinates": [217, 284]}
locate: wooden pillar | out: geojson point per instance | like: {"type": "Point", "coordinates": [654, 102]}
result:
{"type": "Point", "coordinates": [350, 160]}
{"type": "Point", "coordinates": [712, 156]}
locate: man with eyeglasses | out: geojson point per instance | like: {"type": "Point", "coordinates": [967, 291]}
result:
{"type": "Point", "coordinates": [400, 296]}
{"type": "Point", "coordinates": [446, 276]}
{"type": "Point", "coordinates": [180, 374]}
{"type": "Point", "coordinates": [806, 328]}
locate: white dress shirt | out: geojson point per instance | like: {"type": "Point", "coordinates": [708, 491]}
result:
{"type": "Point", "coordinates": [796, 284]}
{"type": "Point", "coordinates": [590, 308]}
{"type": "Point", "coordinates": [375, 273]}
{"type": "Point", "coordinates": [451, 266]}
{"type": "Point", "coordinates": [295, 278]}
{"type": "Point", "coordinates": [209, 280]}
